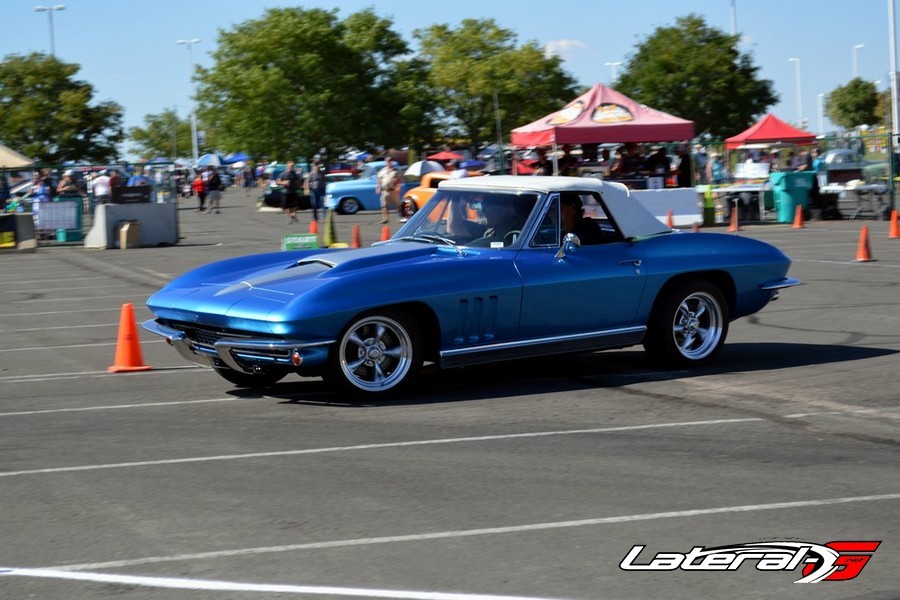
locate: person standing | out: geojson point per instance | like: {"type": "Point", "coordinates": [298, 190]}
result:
{"type": "Point", "coordinates": [247, 179]}
{"type": "Point", "coordinates": [101, 189]}
{"type": "Point", "coordinates": [387, 186]}
{"type": "Point", "coordinates": [199, 187]}
{"type": "Point", "coordinates": [214, 189]}
{"type": "Point", "coordinates": [290, 182]}
{"type": "Point", "coordinates": [115, 186]}
{"type": "Point", "coordinates": [684, 173]}
{"type": "Point", "coordinates": [315, 189]}
{"type": "Point", "coordinates": [542, 166]}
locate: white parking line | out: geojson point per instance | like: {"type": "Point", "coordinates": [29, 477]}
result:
{"type": "Point", "coordinates": [95, 374]}
{"type": "Point", "coordinates": [60, 327]}
{"type": "Point", "coordinates": [442, 535]}
{"type": "Point", "coordinates": [73, 346]}
{"type": "Point", "coordinates": [17, 315]}
{"type": "Point", "coordinates": [67, 299]}
{"type": "Point", "coordinates": [180, 583]}
{"type": "Point", "coordinates": [334, 449]}
{"type": "Point", "coordinates": [47, 411]}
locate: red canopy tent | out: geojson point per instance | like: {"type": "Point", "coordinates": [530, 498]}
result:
{"type": "Point", "coordinates": [603, 115]}
{"type": "Point", "coordinates": [770, 129]}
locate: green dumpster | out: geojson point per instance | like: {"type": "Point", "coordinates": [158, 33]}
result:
{"type": "Point", "coordinates": [791, 189]}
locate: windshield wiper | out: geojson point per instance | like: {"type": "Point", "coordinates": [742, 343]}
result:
{"type": "Point", "coordinates": [433, 237]}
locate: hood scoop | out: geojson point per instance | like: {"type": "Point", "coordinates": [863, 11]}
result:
{"type": "Point", "coordinates": [307, 268]}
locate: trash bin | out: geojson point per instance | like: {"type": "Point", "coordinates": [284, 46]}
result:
{"type": "Point", "coordinates": [791, 189]}
{"type": "Point", "coordinates": [129, 234]}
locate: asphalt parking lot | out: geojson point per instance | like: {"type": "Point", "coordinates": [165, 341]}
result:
{"type": "Point", "coordinates": [526, 479]}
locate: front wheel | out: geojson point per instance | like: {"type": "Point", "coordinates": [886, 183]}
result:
{"type": "Point", "coordinates": [689, 325]}
{"type": "Point", "coordinates": [407, 208]}
{"type": "Point", "coordinates": [349, 206]}
{"type": "Point", "coordinates": [378, 354]}
{"type": "Point", "coordinates": [250, 380]}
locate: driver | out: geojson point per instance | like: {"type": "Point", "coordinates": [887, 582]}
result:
{"type": "Point", "coordinates": [499, 218]}
{"type": "Point", "coordinates": [574, 221]}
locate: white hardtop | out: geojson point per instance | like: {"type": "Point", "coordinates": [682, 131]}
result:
{"type": "Point", "coordinates": [633, 219]}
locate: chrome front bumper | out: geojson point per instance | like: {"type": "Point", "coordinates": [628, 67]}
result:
{"type": "Point", "coordinates": [242, 354]}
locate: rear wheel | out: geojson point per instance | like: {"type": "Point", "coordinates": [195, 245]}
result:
{"type": "Point", "coordinates": [689, 325]}
{"type": "Point", "coordinates": [250, 380]}
{"type": "Point", "coordinates": [378, 354]}
{"type": "Point", "coordinates": [349, 206]}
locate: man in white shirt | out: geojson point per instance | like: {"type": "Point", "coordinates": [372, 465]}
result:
{"type": "Point", "coordinates": [101, 189]}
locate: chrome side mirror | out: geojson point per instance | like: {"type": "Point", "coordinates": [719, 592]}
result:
{"type": "Point", "coordinates": [570, 244]}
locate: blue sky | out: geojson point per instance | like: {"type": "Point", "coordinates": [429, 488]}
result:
{"type": "Point", "coordinates": [127, 48]}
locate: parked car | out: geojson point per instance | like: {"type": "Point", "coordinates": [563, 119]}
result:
{"type": "Point", "coordinates": [273, 192]}
{"type": "Point", "coordinates": [351, 196]}
{"type": "Point", "coordinates": [417, 197]}
{"type": "Point", "coordinates": [366, 319]}
{"type": "Point", "coordinates": [845, 164]}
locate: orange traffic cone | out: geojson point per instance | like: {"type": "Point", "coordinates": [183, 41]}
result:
{"type": "Point", "coordinates": [863, 253]}
{"type": "Point", "coordinates": [355, 242]}
{"type": "Point", "coordinates": [128, 348]}
{"type": "Point", "coordinates": [385, 233]}
{"type": "Point", "coordinates": [314, 226]}
{"type": "Point", "coordinates": [798, 218]}
{"type": "Point", "coordinates": [735, 225]}
{"type": "Point", "coordinates": [670, 220]}
{"type": "Point", "coordinates": [894, 232]}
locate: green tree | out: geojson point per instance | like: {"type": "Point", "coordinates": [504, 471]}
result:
{"type": "Point", "coordinates": [853, 104]}
{"type": "Point", "coordinates": [696, 72]}
{"type": "Point", "coordinates": [163, 134]}
{"type": "Point", "coordinates": [471, 63]}
{"type": "Point", "coordinates": [47, 115]}
{"type": "Point", "coordinates": [297, 80]}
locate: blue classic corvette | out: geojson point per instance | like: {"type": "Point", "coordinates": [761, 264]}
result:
{"type": "Point", "coordinates": [491, 268]}
{"type": "Point", "coordinates": [353, 195]}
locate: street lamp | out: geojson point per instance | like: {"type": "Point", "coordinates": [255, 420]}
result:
{"type": "Point", "coordinates": [796, 62]}
{"type": "Point", "coordinates": [50, 10]}
{"type": "Point", "coordinates": [856, 60]}
{"type": "Point", "coordinates": [190, 43]}
{"type": "Point", "coordinates": [612, 67]}
{"type": "Point", "coordinates": [821, 113]}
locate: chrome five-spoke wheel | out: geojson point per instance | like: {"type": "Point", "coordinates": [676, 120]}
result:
{"type": "Point", "coordinates": [377, 353]}
{"type": "Point", "coordinates": [689, 325]}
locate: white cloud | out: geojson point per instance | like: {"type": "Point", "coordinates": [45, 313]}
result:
{"type": "Point", "coordinates": [564, 48]}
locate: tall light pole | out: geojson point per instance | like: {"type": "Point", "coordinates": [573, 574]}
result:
{"type": "Point", "coordinates": [821, 114]}
{"type": "Point", "coordinates": [733, 19]}
{"type": "Point", "coordinates": [189, 43]}
{"type": "Point", "coordinates": [612, 68]}
{"type": "Point", "coordinates": [856, 59]}
{"type": "Point", "coordinates": [796, 62]}
{"type": "Point", "coordinates": [50, 10]}
{"type": "Point", "coordinates": [895, 117]}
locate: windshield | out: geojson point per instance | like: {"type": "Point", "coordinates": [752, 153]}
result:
{"type": "Point", "coordinates": [472, 218]}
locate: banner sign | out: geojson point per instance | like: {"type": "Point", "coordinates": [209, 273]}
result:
{"type": "Point", "coordinates": [134, 193]}
{"type": "Point", "coordinates": [299, 241]}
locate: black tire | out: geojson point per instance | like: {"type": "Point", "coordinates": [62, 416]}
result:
{"type": "Point", "coordinates": [688, 325]}
{"type": "Point", "coordinates": [407, 208]}
{"type": "Point", "coordinates": [378, 354]}
{"type": "Point", "coordinates": [250, 380]}
{"type": "Point", "coordinates": [349, 206]}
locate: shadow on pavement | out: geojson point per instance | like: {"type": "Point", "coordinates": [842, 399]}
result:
{"type": "Point", "coordinates": [562, 373]}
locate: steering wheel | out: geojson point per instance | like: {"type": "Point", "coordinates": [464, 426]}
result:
{"type": "Point", "coordinates": [510, 238]}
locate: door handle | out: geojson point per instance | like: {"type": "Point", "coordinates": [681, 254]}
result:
{"type": "Point", "coordinates": [635, 262]}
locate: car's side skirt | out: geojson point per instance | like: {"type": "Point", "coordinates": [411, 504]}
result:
{"type": "Point", "coordinates": [595, 340]}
